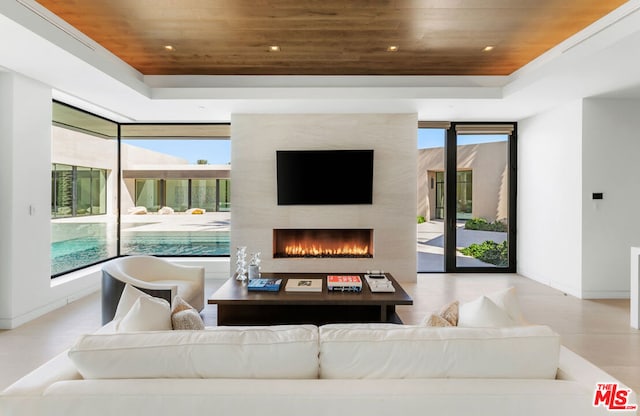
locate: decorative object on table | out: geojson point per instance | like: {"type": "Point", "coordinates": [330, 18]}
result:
{"type": "Point", "coordinates": [264, 285]}
{"type": "Point", "coordinates": [241, 263]}
{"type": "Point", "coordinates": [304, 285]}
{"type": "Point", "coordinates": [378, 282]}
{"type": "Point", "coordinates": [344, 283]}
{"type": "Point", "coordinates": [254, 266]}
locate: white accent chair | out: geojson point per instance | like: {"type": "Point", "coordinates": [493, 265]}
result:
{"type": "Point", "coordinates": [155, 276]}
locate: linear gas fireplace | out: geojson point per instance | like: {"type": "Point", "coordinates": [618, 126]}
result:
{"type": "Point", "coordinates": [322, 243]}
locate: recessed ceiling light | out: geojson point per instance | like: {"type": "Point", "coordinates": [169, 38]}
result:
{"type": "Point", "coordinates": [487, 48]}
{"type": "Point", "coordinates": [274, 48]}
{"type": "Point", "coordinates": [392, 48]}
{"type": "Point", "coordinates": [169, 48]}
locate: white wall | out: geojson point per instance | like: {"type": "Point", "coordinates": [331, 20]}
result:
{"type": "Point", "coordinates": [255, 139]}
{"type": "Point", "coordinates": [565, 238]}
{"type": "Point", "coordinates": [26, 289]}
{"type": "Point", "coordinates": [550, 198]}
{"type": "Point", "coordinates": [6, 190]}
{"type": "Point", "coordinates": [610, 158]}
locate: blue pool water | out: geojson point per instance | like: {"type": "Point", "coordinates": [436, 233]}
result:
{"type": "Point", "coordinates": [78, 252]}
{"type": "Point", "coordinates": [200, 243]}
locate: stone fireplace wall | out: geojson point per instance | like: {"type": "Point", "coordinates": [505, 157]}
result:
{"type": "Point", "coordinates": [255, 213]}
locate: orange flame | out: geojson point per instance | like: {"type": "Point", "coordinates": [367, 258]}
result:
{"type": "Point", "coordinates": [319, 250]}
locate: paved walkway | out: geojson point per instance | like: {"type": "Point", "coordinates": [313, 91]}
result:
{"type": "Point", "coordinates": [209, 221]}
{"type": "Point", "coordinates": [430, 245]}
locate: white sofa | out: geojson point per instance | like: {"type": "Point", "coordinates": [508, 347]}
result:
{"type": "Point", "coordinates": [348, 369]}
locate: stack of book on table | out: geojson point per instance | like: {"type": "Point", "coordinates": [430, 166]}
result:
{"type": "Point", "coordinates": [344, 283]}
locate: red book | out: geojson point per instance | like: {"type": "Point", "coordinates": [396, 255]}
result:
{"type": "Point", "coordinates": [351, 283]}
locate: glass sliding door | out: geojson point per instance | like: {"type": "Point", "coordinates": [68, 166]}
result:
{"type": "Point", "coordinates": [177, 194]}
{"type": "Point", "coordinates": [224, 195]}
{"type": "Point", "coordinates": [83, 191]}
{"type": "Point", "coordinates": [61, 190]}
{"type": "Point", "coordinates": [98, 191]}
{"type": "Point", "coordinates": [482, 196]}
{"type": "Point", "coordinates": [147, 195]}
{"type": "Point", "coordinates": [466, 197]}
{"type": "Point", "coordinates": [203, 194]}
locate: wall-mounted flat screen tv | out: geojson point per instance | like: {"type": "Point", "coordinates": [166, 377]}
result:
{"type": "Point", "coordinates": [324, 177]}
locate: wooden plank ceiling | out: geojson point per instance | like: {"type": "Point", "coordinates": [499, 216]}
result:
{"type": "Point", "coordinates": [329, 37]}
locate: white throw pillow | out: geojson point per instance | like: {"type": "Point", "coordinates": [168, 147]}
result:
{"type": "Point", "coordinates": [483, 313]}
{"type": "Point", "coordinates": [146, 314]}
{"type": "Point", "coordinates": [129, 296]}
{"type": "Point", "coordinates": [508, 301]}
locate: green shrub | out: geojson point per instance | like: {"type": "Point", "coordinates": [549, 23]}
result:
{"type": "Point", "coordinates": [489, 252]}
{"type": "Point", "coordinates": [421, 219]}
{"type": "Point", "coordinates": [483, 225]}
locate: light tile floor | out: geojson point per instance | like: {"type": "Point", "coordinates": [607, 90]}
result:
{"type": "Point", "coordinates": [596, 329]}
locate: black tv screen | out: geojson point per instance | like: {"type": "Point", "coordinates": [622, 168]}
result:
{"type": "Point", "coordinates": [324, 177]}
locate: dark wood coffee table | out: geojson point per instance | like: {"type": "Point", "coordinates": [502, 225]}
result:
{"type": "Point", "coordinates": [238, 306]}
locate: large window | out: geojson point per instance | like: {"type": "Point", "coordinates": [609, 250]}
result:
{"type": "Point", "coordinates": [83, 164]}
{"type": "Point", "coordinates": [171, 195]}
{"type": "Point", "coordinates": [175, 194]}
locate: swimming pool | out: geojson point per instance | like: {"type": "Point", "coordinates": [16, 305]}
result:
{"type": "Point", "coordinates": [177, 243]}
{"type": "Point", "coordinates": [81, 251]}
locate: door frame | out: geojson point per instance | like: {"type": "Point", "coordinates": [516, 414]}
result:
{"type": "Point", "coordinates": [451, 159]}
